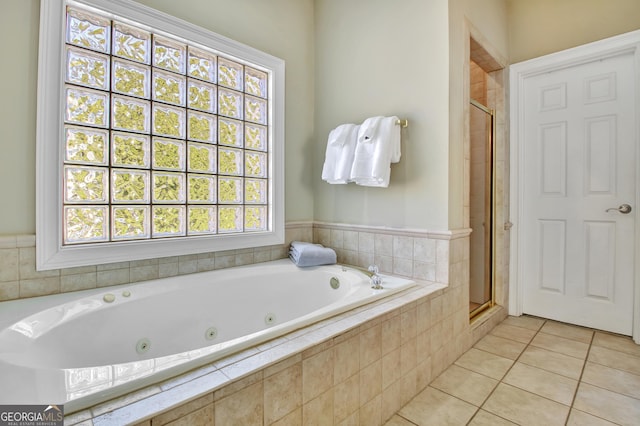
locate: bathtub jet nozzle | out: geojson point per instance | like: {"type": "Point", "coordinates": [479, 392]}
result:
{"type": "Point", "coordinates": [143, 345]}
{"type": "Point", "coordinates": [334, 282]}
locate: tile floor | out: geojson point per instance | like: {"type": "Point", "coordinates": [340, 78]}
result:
{"type": "Point", "coordinates": [531, 371]}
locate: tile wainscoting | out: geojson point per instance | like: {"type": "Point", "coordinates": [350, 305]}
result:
{"type": "Point", "coordinates": [422, 255]}
{"type": "Point", "coordinates": [415, 254]}
{"type": "Point", "coordinates": [19, 278]}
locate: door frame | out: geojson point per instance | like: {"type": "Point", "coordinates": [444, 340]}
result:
{"type": "Point", "coordinates": [518, 73]}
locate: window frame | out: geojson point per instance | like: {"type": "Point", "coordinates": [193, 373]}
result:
{"type": "Point", "coordinates": [51, 253]}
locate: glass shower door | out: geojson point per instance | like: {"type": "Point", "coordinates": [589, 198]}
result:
{"type": "Point", "coordinates": [481, 208]}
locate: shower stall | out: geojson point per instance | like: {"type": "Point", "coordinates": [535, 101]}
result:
{"type": "Point", "coordinates": [481, 207]}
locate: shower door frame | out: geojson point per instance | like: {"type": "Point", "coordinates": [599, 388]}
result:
{"type": "Point", "coordinates": [489, 204]}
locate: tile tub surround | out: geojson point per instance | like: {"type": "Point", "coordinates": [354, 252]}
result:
{"type": "Point", "coordinates": [300, 371]}
{"type": "Point", "coordinates": [19, 278]}
{"type": "Point", "coordinates": [414, 336]}
{"type": "Point", "coordinates": [359, 367]}
{"type": "Point", "coordinates": [417, 254]}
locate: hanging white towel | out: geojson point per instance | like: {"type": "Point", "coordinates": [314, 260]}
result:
{"type": "Point", "coordinates": [378, 146]}
{"type": "Point", "coordinates": [341, 146]}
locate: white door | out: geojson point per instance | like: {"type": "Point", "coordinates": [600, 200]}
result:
{"type": "Point", "coordinates": [578, 165]}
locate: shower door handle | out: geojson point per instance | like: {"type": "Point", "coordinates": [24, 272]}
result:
{"type": "Point", "coordinates": [623, 208]}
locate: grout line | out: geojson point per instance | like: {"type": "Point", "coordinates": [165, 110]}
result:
{"type": "Point", "coordinates": [507, 372]}
{"type": "Point", "coordinates": [402, 417]}
{"type": "Point", "coordinates": [501, 381]}
{"type": "Point", "coordinates": [474, 415]}
{"type": "Point", "coordinates": [584, 366]}
{"type": "Point", "coordinates": [578, 381]}
{"type": "Point", "coordinates": [555, 351]}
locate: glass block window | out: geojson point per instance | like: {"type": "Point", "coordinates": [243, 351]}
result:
{"type": "Point", "coordinates": [155, 137]}
{"type": "Point", "coordinates": [164, 137]}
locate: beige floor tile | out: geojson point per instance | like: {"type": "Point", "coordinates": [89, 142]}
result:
{"type": "Point", "coordinates": [524, 321]}
{"type": "Point", "coordinates": [614, 359]}
{"type": "Point", "coordinates": [612, 379]}
{"type": "Point", "coordinates": [561, 345]}
{"type": "Point", "coordinates": [580, 418]}
{"type": "Point", "coordinates": [541, 382]}
{"type": "Point", "coordinates": [484, 418]}
{"type": "Point", "coordinates": [608, 405]}
{"type": "Point", "coordinates": [482, 362]}
{"type": "Point", "coordinates": [433, 407]}
{"type": "Point", "coordinates": [554, 362]}
{"type": "Point", "coordinates": [519, 334]}
{"type": "Point", "coordinates": [500, 346]}
{"type": "Point", "coordinates": [568, 331]}
{"type": "Point", "coordinates": [525, 408]}
{"type": "Point", "coordinates": [542, 387]}
{"type": "Point", "coordinates": [465, 384]}
{"type": "Point", "coordinates": [617, 343]}
{"type": "Point", "coordinates": [398, 421]}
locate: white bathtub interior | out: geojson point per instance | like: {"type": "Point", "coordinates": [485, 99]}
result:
{"type": "Point", "coordinates": [85, 347]}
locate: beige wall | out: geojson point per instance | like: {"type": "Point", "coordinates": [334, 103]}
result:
{"type": "Point", "coordinates": [365, 57]}
{"type": "Point", "coordinates": [19, 22]}
{"type": "Point", "coordinates": [377, 57]}
{"type": "Point", "coordinates": [539, 27]}
{"type": "Point", "coordinates": [486, 21]}
{"type": "Point", "coordinates": [283, 28]}
{"type": "Point", "coordinates": [399, 58]}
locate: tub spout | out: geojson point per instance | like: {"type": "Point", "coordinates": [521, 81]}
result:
{"type": "Point", "coordinates": [376, 280]}
{"type": "Point", "coordinates": [372, 273]}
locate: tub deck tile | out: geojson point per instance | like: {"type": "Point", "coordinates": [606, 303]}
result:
{"type": "Point", "coordinates": [187, 377]}
{"type": "Point", "coordinates": [306, 330]}
{"type": "Point", "coordinates": [125, 400]}
{"type": "Point", "coordinates": [248, 365]}
{"type": "Point", "coordinates": [77, 418]}
{"type": "Point", "coordinates": [148, 407]}
{"type": "Point", "coordinates": [272, 343]}
{"type": "Point", "coordinates": [236, 357]}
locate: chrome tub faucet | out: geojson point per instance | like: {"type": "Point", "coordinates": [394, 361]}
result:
{"type": "Point", "coordinates": [376, 280]}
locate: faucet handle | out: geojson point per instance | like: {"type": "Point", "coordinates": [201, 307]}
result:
{"type": "Point", "coordinates": [376, 280]}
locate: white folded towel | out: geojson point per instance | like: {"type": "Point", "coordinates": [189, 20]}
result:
{"type": "Point", "coordinates": [309, 254]}
{"type": "Point", "coordinates": [341, 146]}
{"type": "Point", "coordinates": [378, 145]}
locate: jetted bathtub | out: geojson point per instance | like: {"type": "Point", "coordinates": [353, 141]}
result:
{"type": "Point", "coordinates": [85, 347]}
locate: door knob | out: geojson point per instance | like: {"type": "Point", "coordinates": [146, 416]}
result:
{"type": "Point", "coordinates": [623, 208]}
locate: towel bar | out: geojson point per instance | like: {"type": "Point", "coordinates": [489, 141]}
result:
{"type": "Point", "coordinates": [402, 123]}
